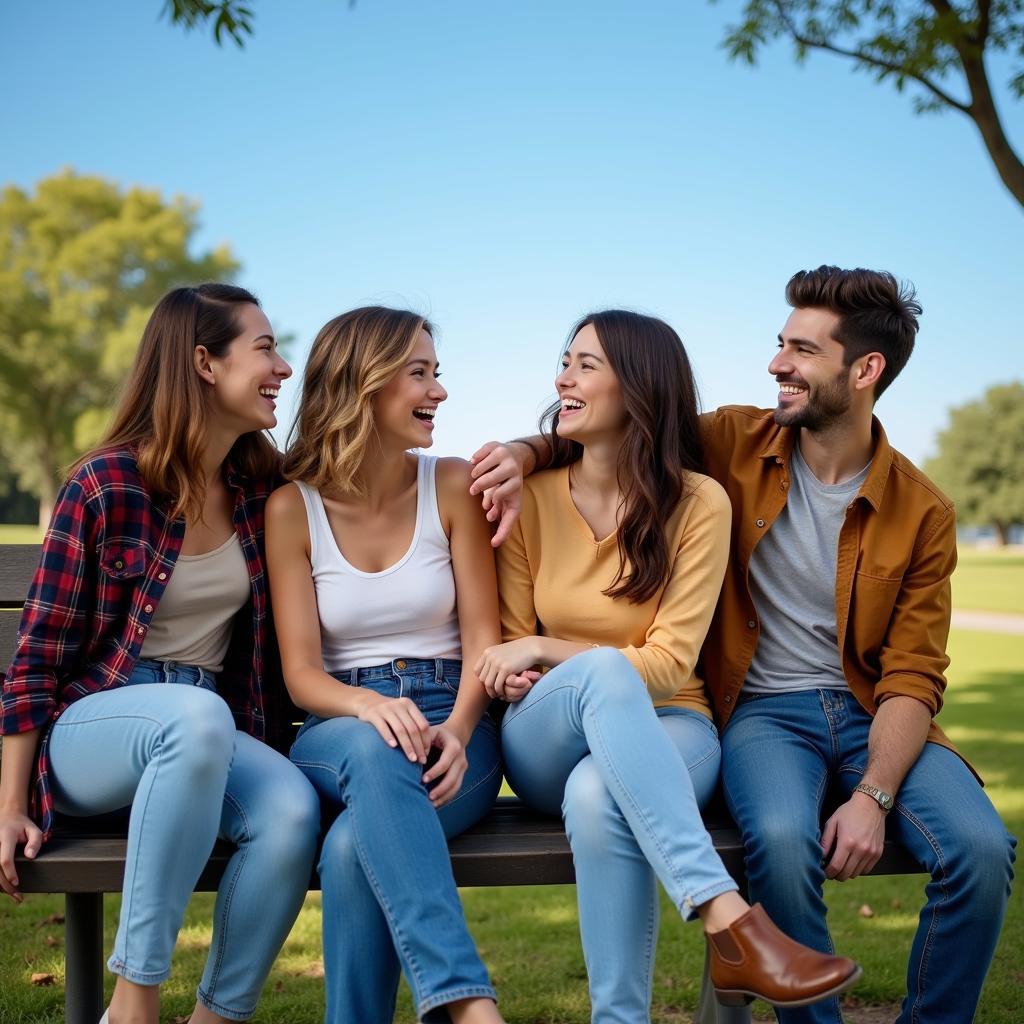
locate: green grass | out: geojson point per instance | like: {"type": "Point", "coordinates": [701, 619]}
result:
{"type": "Point", "coordinates": [20, 533]}
{"type": "Point", "coordinates": [528, 935]}
{"type": "Point", "coordinates": [989, 580]}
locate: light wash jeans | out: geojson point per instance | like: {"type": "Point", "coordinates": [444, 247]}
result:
{"type": "Point", "coordinates": [172, 752]}
{"type": "Point", "coordinates": [389, 898]}
{"type": "Point", "coordinates": [629, 781]}
{"type": "Point", "coordinates": [781, 753]}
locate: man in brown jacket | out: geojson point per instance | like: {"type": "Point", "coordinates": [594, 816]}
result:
{"type": "Point", "coordinates": [825, 660]}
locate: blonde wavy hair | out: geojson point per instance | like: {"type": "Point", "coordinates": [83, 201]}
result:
{"type": "Point", "coordinates": [353, 357]}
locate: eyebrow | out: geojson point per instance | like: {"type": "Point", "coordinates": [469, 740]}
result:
{"type": "Point", "coordinates": [269, 338]}
{"type": "Point", "coordinates": [583, 355]}
{"type": "Point", "coordinates": [422, 362]}
{"type": "Point", "coordinates": [802, 341]}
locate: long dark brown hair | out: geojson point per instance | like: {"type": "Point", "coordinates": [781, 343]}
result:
{"type": "Point", "coordinates": [662, 441]}
{"type": "Point", "coordinates": [163, 409]}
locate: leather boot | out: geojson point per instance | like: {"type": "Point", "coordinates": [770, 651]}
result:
{"type": "Point", "coordinates": [752, 959]}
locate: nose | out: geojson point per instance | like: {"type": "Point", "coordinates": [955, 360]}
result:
{"type": "Point", "coordinates": [780, 364]}
{"type": "Point", "coordinates": [564, 379]}
{"type": "Point", "coordinates": [438, 392]}
{"type": "Point", "coordinates": [282, 370]}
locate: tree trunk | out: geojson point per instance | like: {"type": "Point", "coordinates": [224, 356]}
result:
{"type": "Point", "coordinates": [983, 113]}
{"type": "Point", "coordinates": [47, 496]}
{"type": "Point", "coordinates": [1002, 532]}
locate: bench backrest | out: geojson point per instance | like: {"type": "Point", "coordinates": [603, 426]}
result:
{"type": "Point", "coordinates": [17, 565]}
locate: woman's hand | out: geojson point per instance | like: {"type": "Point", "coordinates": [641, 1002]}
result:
{"type": "Point", "coordinates": [16, 829]}
{"type": "Point", "coordinates": [498, 471]}
{"type": "Point", "coordinates": [516, 687]}
{"type": "Point", "coordinates": [450, 766]}
{"type": "Point", "coordinates": [400, 723]}
{"type": "Point", "coordinates": [500, 661]}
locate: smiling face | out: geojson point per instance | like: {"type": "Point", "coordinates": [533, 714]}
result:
{"type": "Point", "coordinates": [814, 382]}
{"type": "Point", "coordinates": [592, 405]}
{"type": "Point", "coordinates": [245, 380]}
{"type": "Point", "coordinates": [404, 409]}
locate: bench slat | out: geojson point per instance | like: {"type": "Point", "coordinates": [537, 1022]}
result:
{"type": "Point", "coordinates": [17, 565]}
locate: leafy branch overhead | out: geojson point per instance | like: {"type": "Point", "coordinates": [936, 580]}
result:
{"type": "Point", "coordinates": [232, 19]}
{"type": "Point", "coordinates": [936, 47]}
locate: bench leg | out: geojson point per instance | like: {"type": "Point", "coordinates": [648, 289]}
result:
{"type": "Point", "coordinates": [709, 1010]}
{"type": "Point", "coordinates": [83, 957]}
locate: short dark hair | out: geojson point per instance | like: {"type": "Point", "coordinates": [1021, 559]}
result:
{"type": "Point", "coordinates": [877, 313]}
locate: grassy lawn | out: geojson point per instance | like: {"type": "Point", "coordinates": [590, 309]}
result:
{"type": "Point", "coordinates": [989, 580]}
{"type": "Point", "coordinates": [20, 533]}
{"type": "Point", "coordinates": [528, 935]}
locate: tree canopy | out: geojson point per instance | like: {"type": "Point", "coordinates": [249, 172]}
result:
{"type": "Point", "coordinates": [82, 263]}
{"type": "Point", "coordinates": [936, 48]}
{"type": "Point", "coordinates": [980, 462]}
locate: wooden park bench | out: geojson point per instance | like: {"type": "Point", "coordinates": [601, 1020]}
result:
{"type": "Point", "coordinates": [511, 846]}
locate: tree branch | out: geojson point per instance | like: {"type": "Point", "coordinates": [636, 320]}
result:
{"type": "Point", "coordinates": [870, 59]}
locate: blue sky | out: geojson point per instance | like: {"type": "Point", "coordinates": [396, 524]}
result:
{"type": "Point", "coordinates": [506, 167]}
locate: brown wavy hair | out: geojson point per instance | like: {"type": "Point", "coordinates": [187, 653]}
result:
{"type": "Point", "coordinates": [662, 441]}
{"type": "Point", "coordinates": [352, 358]}
{"type": "Point", "coordinates": [163, 409]}
{"type": "Point", "coordinates": [876, 313]}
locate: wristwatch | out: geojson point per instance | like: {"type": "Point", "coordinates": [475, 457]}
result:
{"type": "Point", "coordinates": [883, 799]}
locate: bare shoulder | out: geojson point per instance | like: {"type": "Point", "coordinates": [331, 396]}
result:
{"type": "Point", "coordinates": [454, 501]}
{"type": "Point", "coordinates": [453, 474]}
{"type": "Point", "coordinates": [285, 509]}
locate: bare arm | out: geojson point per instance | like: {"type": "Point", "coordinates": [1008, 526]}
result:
{"type": "Point", "coordinates": [296, 621]}
{"type": "Point", "coordinates": [476, 590]}
{"type": "Point", "coordinates": [857, 828]}
{"type": "Point", "coordinates": [16, 828]}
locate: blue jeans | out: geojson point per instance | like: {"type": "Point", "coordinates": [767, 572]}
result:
{"type": "Point", "coordinates": [172, 752]}
{"type": "Point", "coordinates": [389, 898]}
{"type": "Point", "coordinates": [629, 781]}
{"type": "Point", "coordinates": [781, 753]}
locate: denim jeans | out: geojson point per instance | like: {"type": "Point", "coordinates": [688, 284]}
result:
{"type": "Point", "coordinates": [389, 898]}
{"type": "Point", "coordinates": [629, 781]}
{"type": "Point", "coordinates": [781, 753]}
{"type": "Point", "coordinates": [172, 752]}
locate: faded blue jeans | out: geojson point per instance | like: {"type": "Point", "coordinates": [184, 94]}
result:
{"type": "Point", "coordinates": [389, 899]}
{"type": "Point", "coordinates": [629, 781]}
{"type": "Point", "coordinates": [780, 754]}
{"type": "Point", "coordinates": [172, 752]}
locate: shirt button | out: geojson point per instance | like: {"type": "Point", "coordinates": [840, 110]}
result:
{"type": "Point", "coordinates": [162, 577]}
{"type": "Point", "coordinates": [141, 630]}
{"type": "Point", "coordinates": [751, 624]}
{"type": "Point", "coordinates": [400, 664]}
{"type": "Point", "coordinates": [728, 699]}
{"type": "Point", "coordinates": [760, 522]}
{"type": "Point", "coordinates": [119, 564]}
{"type": "Point", "coordinates": [148, 609]}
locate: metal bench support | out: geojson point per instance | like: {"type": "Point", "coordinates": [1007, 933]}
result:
{"type": "Point", "coordinates": [83, 957]}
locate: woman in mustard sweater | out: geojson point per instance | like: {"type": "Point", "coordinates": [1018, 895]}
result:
{"type": "Point", "coordinates": [609, 579]}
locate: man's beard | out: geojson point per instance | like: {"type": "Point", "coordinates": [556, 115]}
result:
{"type": "Point", "coordinates": [825, 404]}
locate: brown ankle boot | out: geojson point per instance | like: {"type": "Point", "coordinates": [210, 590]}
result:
{"type": "Point", "coordinates": [752, 959]}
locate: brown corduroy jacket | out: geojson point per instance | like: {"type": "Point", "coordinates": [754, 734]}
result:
{"type": "Point", "coordinates": [897, 550]}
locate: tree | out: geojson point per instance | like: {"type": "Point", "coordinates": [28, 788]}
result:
{"type": "Point", "coordinates": [82, 263]}
{"type": "Point", "coordinates": [232, 19]}
{"type": "Point", "coordinates": [980, 462]}
{"type": "Point", "coordinates": [937, 47]}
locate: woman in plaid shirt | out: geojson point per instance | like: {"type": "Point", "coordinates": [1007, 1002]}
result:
{"type": "Point", "coordinates": [138, 676]}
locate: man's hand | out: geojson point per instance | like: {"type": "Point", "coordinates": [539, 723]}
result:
{"type": "Point", "coordinates": [498, 471]}
{"type": "Point", "coordinates": [855, 834]}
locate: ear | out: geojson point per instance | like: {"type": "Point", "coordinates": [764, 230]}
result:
{"type": "Point", "coordinates": [867, 370]}
{"type": "Point", "coordinates": [203, 363]}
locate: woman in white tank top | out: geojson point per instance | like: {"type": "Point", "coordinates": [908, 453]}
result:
{"type": "Point", "coordinates": [382, 578]}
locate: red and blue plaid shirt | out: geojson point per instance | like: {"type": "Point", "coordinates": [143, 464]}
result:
{"type": "Point", "coordinates": [107, 557]}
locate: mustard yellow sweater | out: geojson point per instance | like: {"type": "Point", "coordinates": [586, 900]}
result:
{"type": "Point", "coordinates": [551, 574]}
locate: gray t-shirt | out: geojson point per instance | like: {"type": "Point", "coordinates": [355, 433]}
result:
{"type": "Point", "coordinates": [793, 583]}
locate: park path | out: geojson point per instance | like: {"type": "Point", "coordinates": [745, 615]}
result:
{"type": "Point", "coordinates": [989, 622]}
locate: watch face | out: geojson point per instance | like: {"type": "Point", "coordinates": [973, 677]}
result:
{"type": "Point", "coordinates": [885, 800]}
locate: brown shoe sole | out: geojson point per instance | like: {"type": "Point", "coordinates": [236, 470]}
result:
{"type": "Point", "coordinates": [740, 997]}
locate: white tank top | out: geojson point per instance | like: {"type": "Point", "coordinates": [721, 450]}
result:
{"type": "Point", "coordinates": [406, 611]}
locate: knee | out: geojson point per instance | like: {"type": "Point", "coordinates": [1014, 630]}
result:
{"type": "Point", "coordinates": [339, 857]}
{"type": "Point", "coordinates": [981, 862]}
{"type": "Point", "coordinates": [610, 672]}
{"type": "Point", "coordinates": [201, 730]}
{"type": "Point", "coordinates": [589, 811]}
{"type": "Point", "coordinates": [783, 847]}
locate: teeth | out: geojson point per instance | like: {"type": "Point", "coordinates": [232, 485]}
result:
{"type": "Point", "coordinates": [269, 392]}
{"type": "Point", "coordinates": [425, 412]}
{"type": "Point", "coordinates": [573, 403]}
{"type": "Point", "coordinates": [790, 389]}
